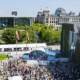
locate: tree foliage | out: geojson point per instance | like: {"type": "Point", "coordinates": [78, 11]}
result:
{"type": "Point", "coordinates": [49, 36]}
{"type": "Point", "coordinates": [42, 33]}
{"type": "Point", "coordinates": [32, 36]}
{"type": "Point", "coordinates": [45, 33]}
{"type": "Point", "coordinates": [16, 27]}
{"type": "Point", "coordinates": [51, 27]}
{"type": "Point", "coordinates": [60, 28]}
{"type": "Point", "coordinates": [9, 36]}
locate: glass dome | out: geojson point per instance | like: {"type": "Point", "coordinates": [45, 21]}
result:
{"type": "Point", "coordinates": [60, 10]}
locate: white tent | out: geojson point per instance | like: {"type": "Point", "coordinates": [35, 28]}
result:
{"type": "Point", "coordinates": [15, 78]}
{"type": "Point", "coordinates": [46, 51]}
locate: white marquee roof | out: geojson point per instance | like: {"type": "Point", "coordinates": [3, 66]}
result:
{"type": "Point", "coordinates": [46, 51]}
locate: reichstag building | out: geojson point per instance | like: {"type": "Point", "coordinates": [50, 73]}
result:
{"type": "Point", "coordinates": [58, 18]}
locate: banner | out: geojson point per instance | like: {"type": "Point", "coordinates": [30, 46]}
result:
{"type": "Point", "coordinates": [27, 35]}
{"type": "Point", "coordinates": [36, 34]}
{"type": "Point", "coordinates": [25, 56]}
{"type": "Point", "coordinates": [17, 36]}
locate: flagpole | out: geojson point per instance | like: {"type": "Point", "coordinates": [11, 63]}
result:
{"type": "Point", "coordinates": [36, 43]}
{"type": "Point", "coordinates": [16, 47]}
{"type": "Point", "coordinates": [26, 39]}
{"type": "Point", "coordinates": [36, 38]}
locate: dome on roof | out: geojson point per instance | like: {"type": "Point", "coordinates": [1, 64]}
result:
{"type": "Point", "coordinates": [60, 10]}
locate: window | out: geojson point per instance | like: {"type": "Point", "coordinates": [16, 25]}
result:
{"type": "Point", "coordinates": [72, 41]}
{"type": "Point", "coordinates": [50, 21]}
{"type": "Point", "coordinates": [54, 18]}
{"type": "Point", "coordinates": [46, 13]}
{"type": "Point", "coordinates": [58, 19]}
{"type": "Point", "coordinates": [46, 18]}
{"type": "Point", "coordinates": [46, 21]}
{"type": "Point", "coordinates": [54, 21]}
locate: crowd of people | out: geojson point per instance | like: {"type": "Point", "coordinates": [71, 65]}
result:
{"type": "Point", "coordinates": [54, 71]}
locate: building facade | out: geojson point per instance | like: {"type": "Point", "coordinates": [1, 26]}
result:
{"type": "Point", "coordinates": [58, 18]}
{"type": "Point", "coordinates": [10, 21]}
{"type": "Point", "coordinates": [70, 41]}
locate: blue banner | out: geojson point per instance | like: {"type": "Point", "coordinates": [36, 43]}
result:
{"type": "Point", "coordinates": [25, 56]}
{"type": "Point", "coordinates": [51, 58]}
{"type": "Point", "coordinates": [36, 34]}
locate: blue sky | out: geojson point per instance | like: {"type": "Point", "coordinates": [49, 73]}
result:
{"type": "Point", "coordinates": [31, 7]}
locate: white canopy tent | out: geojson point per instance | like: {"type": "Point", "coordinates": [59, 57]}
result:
{"type": "Point", "coordinates": [15, 78]}
{"type": "Point", "coordinates": [46, 51]}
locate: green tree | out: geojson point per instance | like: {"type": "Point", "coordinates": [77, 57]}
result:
{"type": "Point", "coordinates": [57, 36]}
{"type": "Point", "coordinates": [9, 36]}
{"type": "Point", "coordinates": [32, 36]}
{"type": "Point", "coordinates": [46, 27]}
{"type": "Point", "coordinates": [16, 27]}
{"type": "Point", "coordinates": [42, 33]}
{"type": "Point", "coordinates": [27, 27]}
{"type": "Point", "coordinates": [49, 37]}
{"type": "Point", "coordinates": [51, 27]}
{"type": "Point", "coordinates": [34, 24]}
{"type": "Point", "coordinates": [35, 21]}
{"type": "Point", "coordinates": [60, 28]}
{"type": "Point", "coordinates": [22, 36]}
{"type": "Point", "coordinates": [38, 24]}
{"type": "Point", "coordinates": [22, 27]}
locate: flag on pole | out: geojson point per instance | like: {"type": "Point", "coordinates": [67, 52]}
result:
{"type": "Point", "coordinates": [36, 34]}
{"type": "Point", "coordinates": [40, 9]}
{"type": "Point", "coordinates": [17, 36]}
{"type": "Point", "coordinates": [78, 19]}
{"type": "Point", "coordinates": [27, 35]}
{"type": "Point", "coordinates": [46, 7]}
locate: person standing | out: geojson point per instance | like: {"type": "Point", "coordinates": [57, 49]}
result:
{"type": "Point", "coordinates": [7, 56]}
{"type": "Point", "coordinates": [38, 60]}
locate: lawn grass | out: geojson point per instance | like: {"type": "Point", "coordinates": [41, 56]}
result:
{"type": "Point", "coordinates": [3, 56]}
{"type": "Point", "coordinates": [1, 32]}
